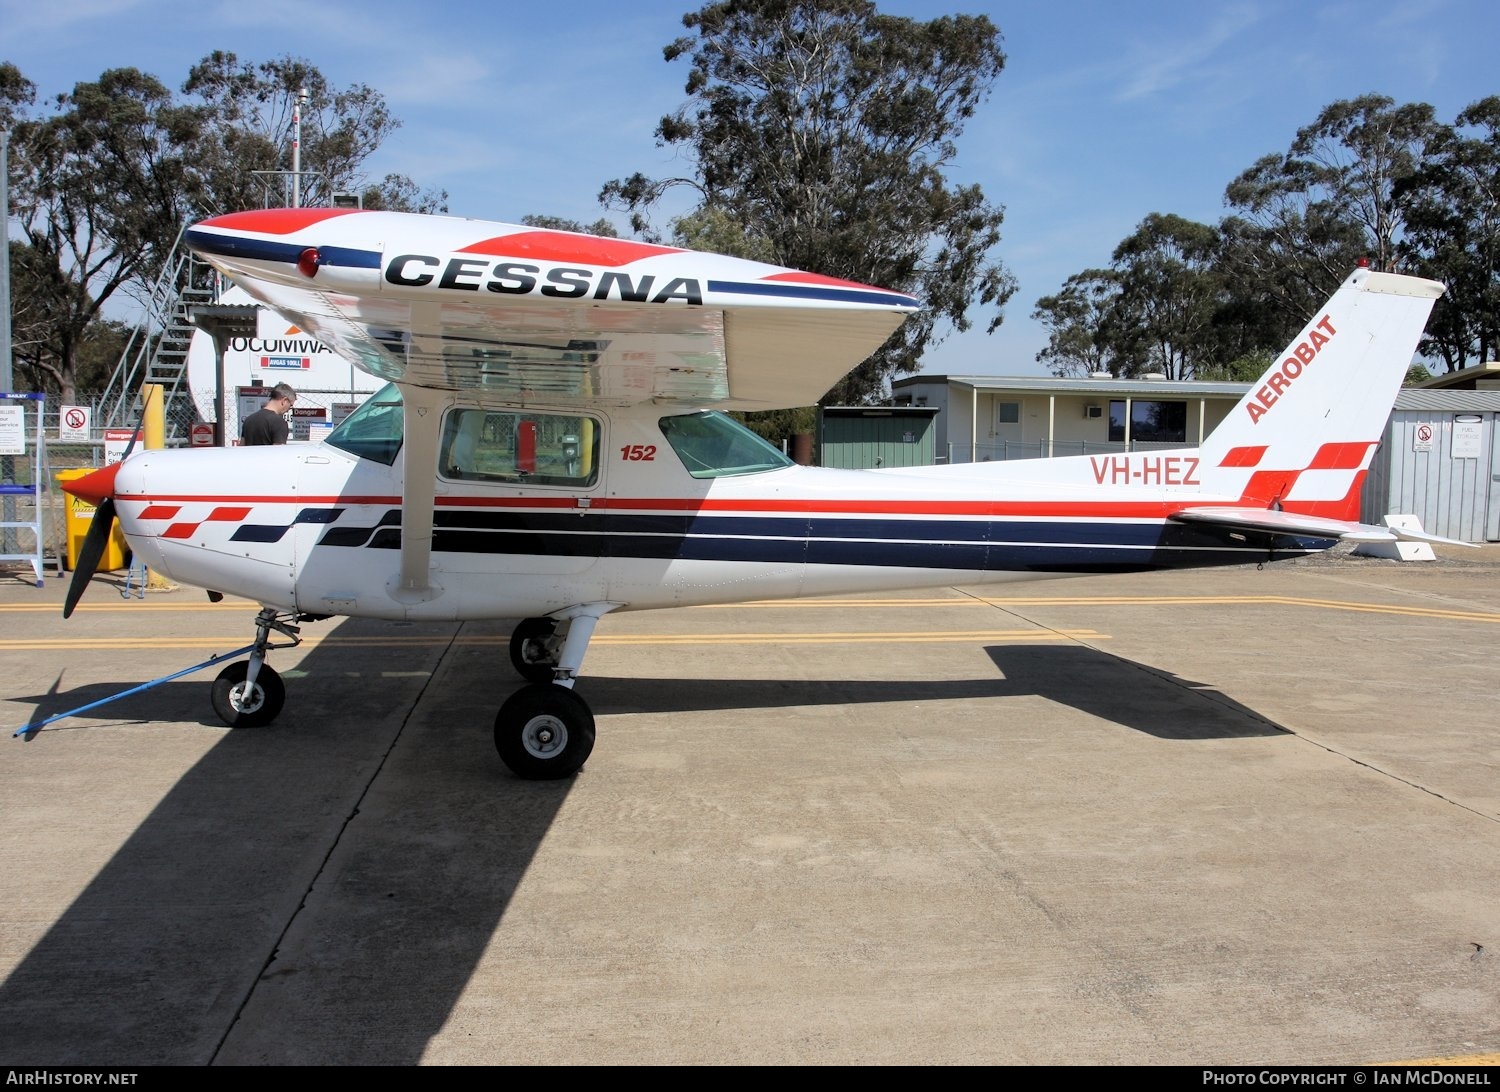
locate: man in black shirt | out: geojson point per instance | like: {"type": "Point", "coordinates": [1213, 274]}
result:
{"type": "Point", "coordinates": [267, 425]}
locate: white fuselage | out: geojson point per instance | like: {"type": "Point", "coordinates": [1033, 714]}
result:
{"type": "Point", "coordinates": [316, 529]}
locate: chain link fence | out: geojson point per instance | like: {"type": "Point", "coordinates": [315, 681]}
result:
{"type": "Point", "coordinates": [30, 493]}
{"type": "Point", "coordinates": [32, 507]}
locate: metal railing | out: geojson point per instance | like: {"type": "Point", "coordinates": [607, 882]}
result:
{"type": "Point", "coordinates": [1042, 449]}
{"type": "Point", "coordinates": [157, 349]}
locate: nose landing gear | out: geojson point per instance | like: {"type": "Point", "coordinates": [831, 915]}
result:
{"type": "Point", "coordinates": [249, 693]}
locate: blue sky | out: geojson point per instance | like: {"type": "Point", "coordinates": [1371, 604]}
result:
{"type": "Point", "coordinates": [1105, 112]}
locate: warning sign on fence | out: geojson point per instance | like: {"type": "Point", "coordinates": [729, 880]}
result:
{"type": "Point", "coordinates": [74, 424]}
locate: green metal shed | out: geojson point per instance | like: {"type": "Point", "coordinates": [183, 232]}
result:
{"type": "Point", "coordinates": [865, 437]}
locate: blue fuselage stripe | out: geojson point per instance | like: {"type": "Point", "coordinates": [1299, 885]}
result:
{"type": "Point", "coordinates": [975, 545]}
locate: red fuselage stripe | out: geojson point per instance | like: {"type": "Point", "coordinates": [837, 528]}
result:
{"type": "Point", "coordinates": [972, 509]}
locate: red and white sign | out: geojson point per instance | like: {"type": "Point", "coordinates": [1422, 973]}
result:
{"type": "Point", "coordinates": [116, 440]}
{"type": "Point", "coordinates": [202, 435]}
{"type": "Point", "coordinates": [73, 424]}
{"type": "Point", "coordinates": [304, 419]}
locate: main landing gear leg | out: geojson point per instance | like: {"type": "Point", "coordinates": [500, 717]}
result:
{"type": "Point", "coordinates": [545, 731]}
{"type": "Point", "coordinates": [249, 693]}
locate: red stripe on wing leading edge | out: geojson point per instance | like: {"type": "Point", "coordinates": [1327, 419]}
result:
{"type": "Point", "coordinates": [557, 246]}
{"type": "Point", "coordinates": [799, 277]}
{"type": "Point", "coordinates": [276, 221]}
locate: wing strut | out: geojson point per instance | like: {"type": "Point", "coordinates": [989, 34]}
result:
{"type": "Point", "coordinates": [421, 416]}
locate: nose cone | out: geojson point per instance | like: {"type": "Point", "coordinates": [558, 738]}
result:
{"type": "Point", "coordinates": [95, 487]}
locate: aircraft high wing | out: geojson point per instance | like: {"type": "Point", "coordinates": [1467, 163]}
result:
{"type": "Point", "coordinates": [551, 449]}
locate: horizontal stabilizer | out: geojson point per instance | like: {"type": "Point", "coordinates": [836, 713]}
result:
{"type": "Point", "coordinates": [1296, 523]}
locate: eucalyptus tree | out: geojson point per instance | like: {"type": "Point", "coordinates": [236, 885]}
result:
{"type": "Point", "coordinates": [1077, 321]}
{"type": "Point", "coordinates": [1453, 235]}
{"type": "Point", "coordinates": [100, 191]}
{"type": "Point", "coordinates": [1304, 218]}
{"type": "Point", "coordinates": [104, 179]}
{"type": "Point", "coordinates": [252, 113]}
{"type": "Point", "coordinates": [823, 130]}
{"type": "Point", "coordinates": [1170, 293]}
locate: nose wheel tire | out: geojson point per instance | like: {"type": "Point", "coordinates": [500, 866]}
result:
{"type": "Point", "coordinates": [242, 706]}
{"type": "Point", "coordinates": [544, 732]}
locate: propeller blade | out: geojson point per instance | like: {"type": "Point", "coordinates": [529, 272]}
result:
{"type": "Point", "coordinates": [97, 489]}
{"type": "Point", "coordinates": [100, 528]}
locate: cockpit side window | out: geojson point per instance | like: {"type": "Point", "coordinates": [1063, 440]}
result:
{"type": "Point", "coordinates": [520, 447]}
{"type": "Point", "coordinates": [373, 431]}
{"type": "Point", "coordinates": [715, 445]}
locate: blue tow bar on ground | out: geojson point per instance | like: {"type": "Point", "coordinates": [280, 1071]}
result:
{"type": "Point", "coordinates": [29, 730]}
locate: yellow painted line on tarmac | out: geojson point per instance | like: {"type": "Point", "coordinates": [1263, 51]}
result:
{"type": "Point", "coordinates": [130, 605]}
{"type": "Point", "coordinates": [1442, 614]}
{"type": "Point", "coordinates": [1491, 617]}
{"type": "Point", "coordinates": [1458, 1059]}
{"type": "Point", "coordinates": [1129, 601]}
{"type": "Point", "coordinates": [85, 644]}
{"type": "Point", "coordinates": [850, 638]}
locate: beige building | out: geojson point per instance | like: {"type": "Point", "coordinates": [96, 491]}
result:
{"type": "Point", "coordinates": [1485, 377]}
{"type": "Point", "coordinates": [1439, 458]}
{"type": "Point", "coordinates": [986, 418]}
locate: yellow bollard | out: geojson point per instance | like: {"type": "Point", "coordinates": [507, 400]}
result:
{"type": "Point", "coordinates": [153, 417]}
{"type": "Point", "coordinates": [154, 438]}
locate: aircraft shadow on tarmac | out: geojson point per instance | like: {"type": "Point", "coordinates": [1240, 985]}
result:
{"type": "Point", "coordinates": [1129, 694]}
{"type": "Point", "coordinates": [250, 916]}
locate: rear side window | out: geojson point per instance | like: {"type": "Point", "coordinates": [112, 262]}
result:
{"type": "Point", "coordinates": [520, 448]}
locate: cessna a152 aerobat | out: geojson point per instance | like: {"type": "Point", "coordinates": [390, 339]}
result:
{"type": "Point", "coordinates": [551, 448]}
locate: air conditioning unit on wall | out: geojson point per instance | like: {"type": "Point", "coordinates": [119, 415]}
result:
{"type": "Point", "coordinates": [1092, 413]}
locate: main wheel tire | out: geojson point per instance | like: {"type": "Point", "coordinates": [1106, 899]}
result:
{"type": "Point", "coordinates": [533, 650]}
{"type": "Point", "coordinates": [252, 707]}
{"type": "Point", "coordinates": [544, 732]}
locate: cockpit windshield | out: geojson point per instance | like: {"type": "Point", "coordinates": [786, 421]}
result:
{"type": "Point", "coordinates": [374, 430]}
{"type": "Point", "coordinates": [714, 445]}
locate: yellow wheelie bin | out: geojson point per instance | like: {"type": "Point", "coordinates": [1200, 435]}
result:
{"type": "Point", "coordinates": [80, 513]}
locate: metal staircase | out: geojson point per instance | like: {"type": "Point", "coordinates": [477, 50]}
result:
{"type": "Point", "coordinates": [157, 350]}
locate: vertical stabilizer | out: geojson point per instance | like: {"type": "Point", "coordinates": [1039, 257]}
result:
{"type": "Point", "coordinates": [1302, 437]}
